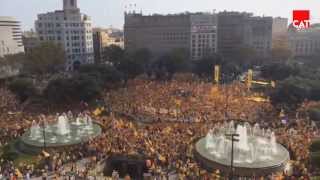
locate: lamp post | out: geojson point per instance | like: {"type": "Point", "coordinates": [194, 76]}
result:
{"type": "Point", "coordinates": [42, 118]}
{"type": "Point", "coordinates": [233, 137]}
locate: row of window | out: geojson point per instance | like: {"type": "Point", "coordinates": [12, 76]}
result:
{"type": "Point", "coordinates": [315, 43]}
{"type": "Point", "coordinates": [73, 38]}
{"type": "Point", "coordinates": [79, 50]}
{"type": "Point", "coordinates": [52, 25]}
{"type": "Point", "coordinates": [203, 36]}
{"type": "Point", "coordinates": [67, 32]}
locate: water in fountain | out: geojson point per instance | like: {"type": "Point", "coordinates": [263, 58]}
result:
{"type": "Point", "coordinates": [255, 144]}
{"type": "Point", "coordinates": [63, 125]}
{"type": "Point", "coordinates": [35, 131]}
{"type": "Point", "coordinates": [89, 124]}
{"type": "Point", "coordinates": [79, 120]}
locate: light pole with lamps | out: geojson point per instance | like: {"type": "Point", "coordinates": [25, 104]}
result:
{"type": "Point", "coordinates": [233, 137]}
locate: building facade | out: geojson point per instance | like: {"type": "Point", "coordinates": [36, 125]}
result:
{"type": "Point", "coordinates": [305, 43]}
{"type": "Point", "coordinates": [158, 33]}
{"type": "Point", "coordinates": [70, 29]}
{"type": "Point", "coordinates": [103, 38]}
{"type": "Point", "coordinates": [194, 32]}
{"type": "Point", "coordinates": [203, 35]}
{"type": "Point", "coordinates": [261, 35]}
{"type": "Point", "coordinates": [280, 33]}
{"type": "Point", "coordinates": [30, 40]}
{"type": "Point", "coordinates": [10, 36]}
{"type": "Point", "coordinates": [279, 25]}
{"type": "Point", "coordinates": [240, 29]}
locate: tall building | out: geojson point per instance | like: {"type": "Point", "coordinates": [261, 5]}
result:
{"type": "Point", "coordinates": [240, 29]}
{"type": "Point", "coordinates": [103, 38]}
{"type": "Point", "coordinates": [203, 35]}
{"type": "Point", "coordinates": [261, 35]}
{"type": "Point", "coordinates": [280, 33]}
{"type": "Point", "coordinates": [194, 32]}
{"type": "Point", "coordinates": [305, 43]}
{"type": "Point", "coordinates": [279, 25]}
{"type": "Point", "coordinates": [70, 29]}
{"type": "Point", "coordinates": [10, 36]}
{"type": "Point", "coordinates": [159, 33]}
{"type": "Point", "coordinates": [30, 40]}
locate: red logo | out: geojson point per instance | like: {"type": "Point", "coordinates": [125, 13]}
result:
{"type": "Point", "coordinates": [301, 19]}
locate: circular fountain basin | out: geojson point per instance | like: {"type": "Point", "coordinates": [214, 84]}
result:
{"type": "Point", "coordinates": [76, 134]}
{"type": "Point", "coordinates": [261, 166]}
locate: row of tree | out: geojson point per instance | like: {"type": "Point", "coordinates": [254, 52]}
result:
{"type": "Point", "coordinates": [296, 82]}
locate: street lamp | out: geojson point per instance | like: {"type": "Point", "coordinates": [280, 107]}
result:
{"type": "Point", "coordinates": [43, 119]}
{"type": "Point", "coordinates": [233, 137]}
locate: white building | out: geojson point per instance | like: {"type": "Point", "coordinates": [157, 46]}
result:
{"type": "Point", "coordinates": [203, 35]}
{"type": "Point", "coordinates": [70, 29]}
{"type": "Point", "coordinates": [10, 36]}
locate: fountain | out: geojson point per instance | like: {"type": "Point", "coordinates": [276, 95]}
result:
{"type": "Point", "coordinates": [256, 152]}
{"type": "Point", "coordinates": [63, 125]}
{"type": "Point", "coordinates": [35, 131]}
{"type": "Point", "coordinates": [68, 130]}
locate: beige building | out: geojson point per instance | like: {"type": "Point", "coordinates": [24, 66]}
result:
{"type": "Point", "coordinates": [280, 33]}
{"type": "Point", "coordinates": [103, 38]}
{"type": "Point", "coordinates": [10, 36]}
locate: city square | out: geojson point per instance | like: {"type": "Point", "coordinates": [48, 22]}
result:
{"type": "Point", "coordinates": [185, 96]}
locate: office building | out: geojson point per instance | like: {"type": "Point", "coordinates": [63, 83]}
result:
{"type": "Point", "coordinates": [280, 33]}
{"type": "Point", "coordinates": [203, 35]}
{"type": "Point", "coordinates": [158, 33]}
{"type": "Point", "coordinates": [238, 30]}
{"type": "Point", "coordinates": [70, 29]}
{"type": "Point", "coordinates": [10, 36]}
{"type": "Point", "coordinates": [305, 43]}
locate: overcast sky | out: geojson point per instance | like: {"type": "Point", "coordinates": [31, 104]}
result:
{"type": "Point", "coordinates": [105, 13]}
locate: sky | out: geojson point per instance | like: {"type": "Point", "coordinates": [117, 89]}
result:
{"type": "Point", "coordinates": [106, 13]}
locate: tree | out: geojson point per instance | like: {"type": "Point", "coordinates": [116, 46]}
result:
{"type": "Point", "coordinates": [130, 68]}
{"type": "Point", "coordinates": [175, 61]}
{"type": "Point", "coordinates": [23, 88]}
{"type": "Point", "coordinates": [279, 71]}
{"type": "Point", "coordinates": [205, 66]}
{"type": "Point", "coordinates": [281, 53]}
{"type": "Point", "coordinates": [70, 90]}
{"type": "Point", "coordinates": [292, 92]}
{"type": "Point", "coordinates": [113, 54]}
{"type": "Point", "coordinates": [48, 57]}
{"type": "Point", "coordinates": [104, 74]}
{"type": "Point", "coordinates": [142, 56]}
{"type": "Point", "coordinates": [244, 56]}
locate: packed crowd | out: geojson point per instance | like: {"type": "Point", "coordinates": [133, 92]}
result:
{"type": "Point", "coordinates": [181, 101]}
{"type": "Point", "coordinates": [167, 142]}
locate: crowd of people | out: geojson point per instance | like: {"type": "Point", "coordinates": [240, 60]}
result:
{"type": "Point", "coordinates": [180, 101]}
{"type": "Point", "coordinates": [178, 113]}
